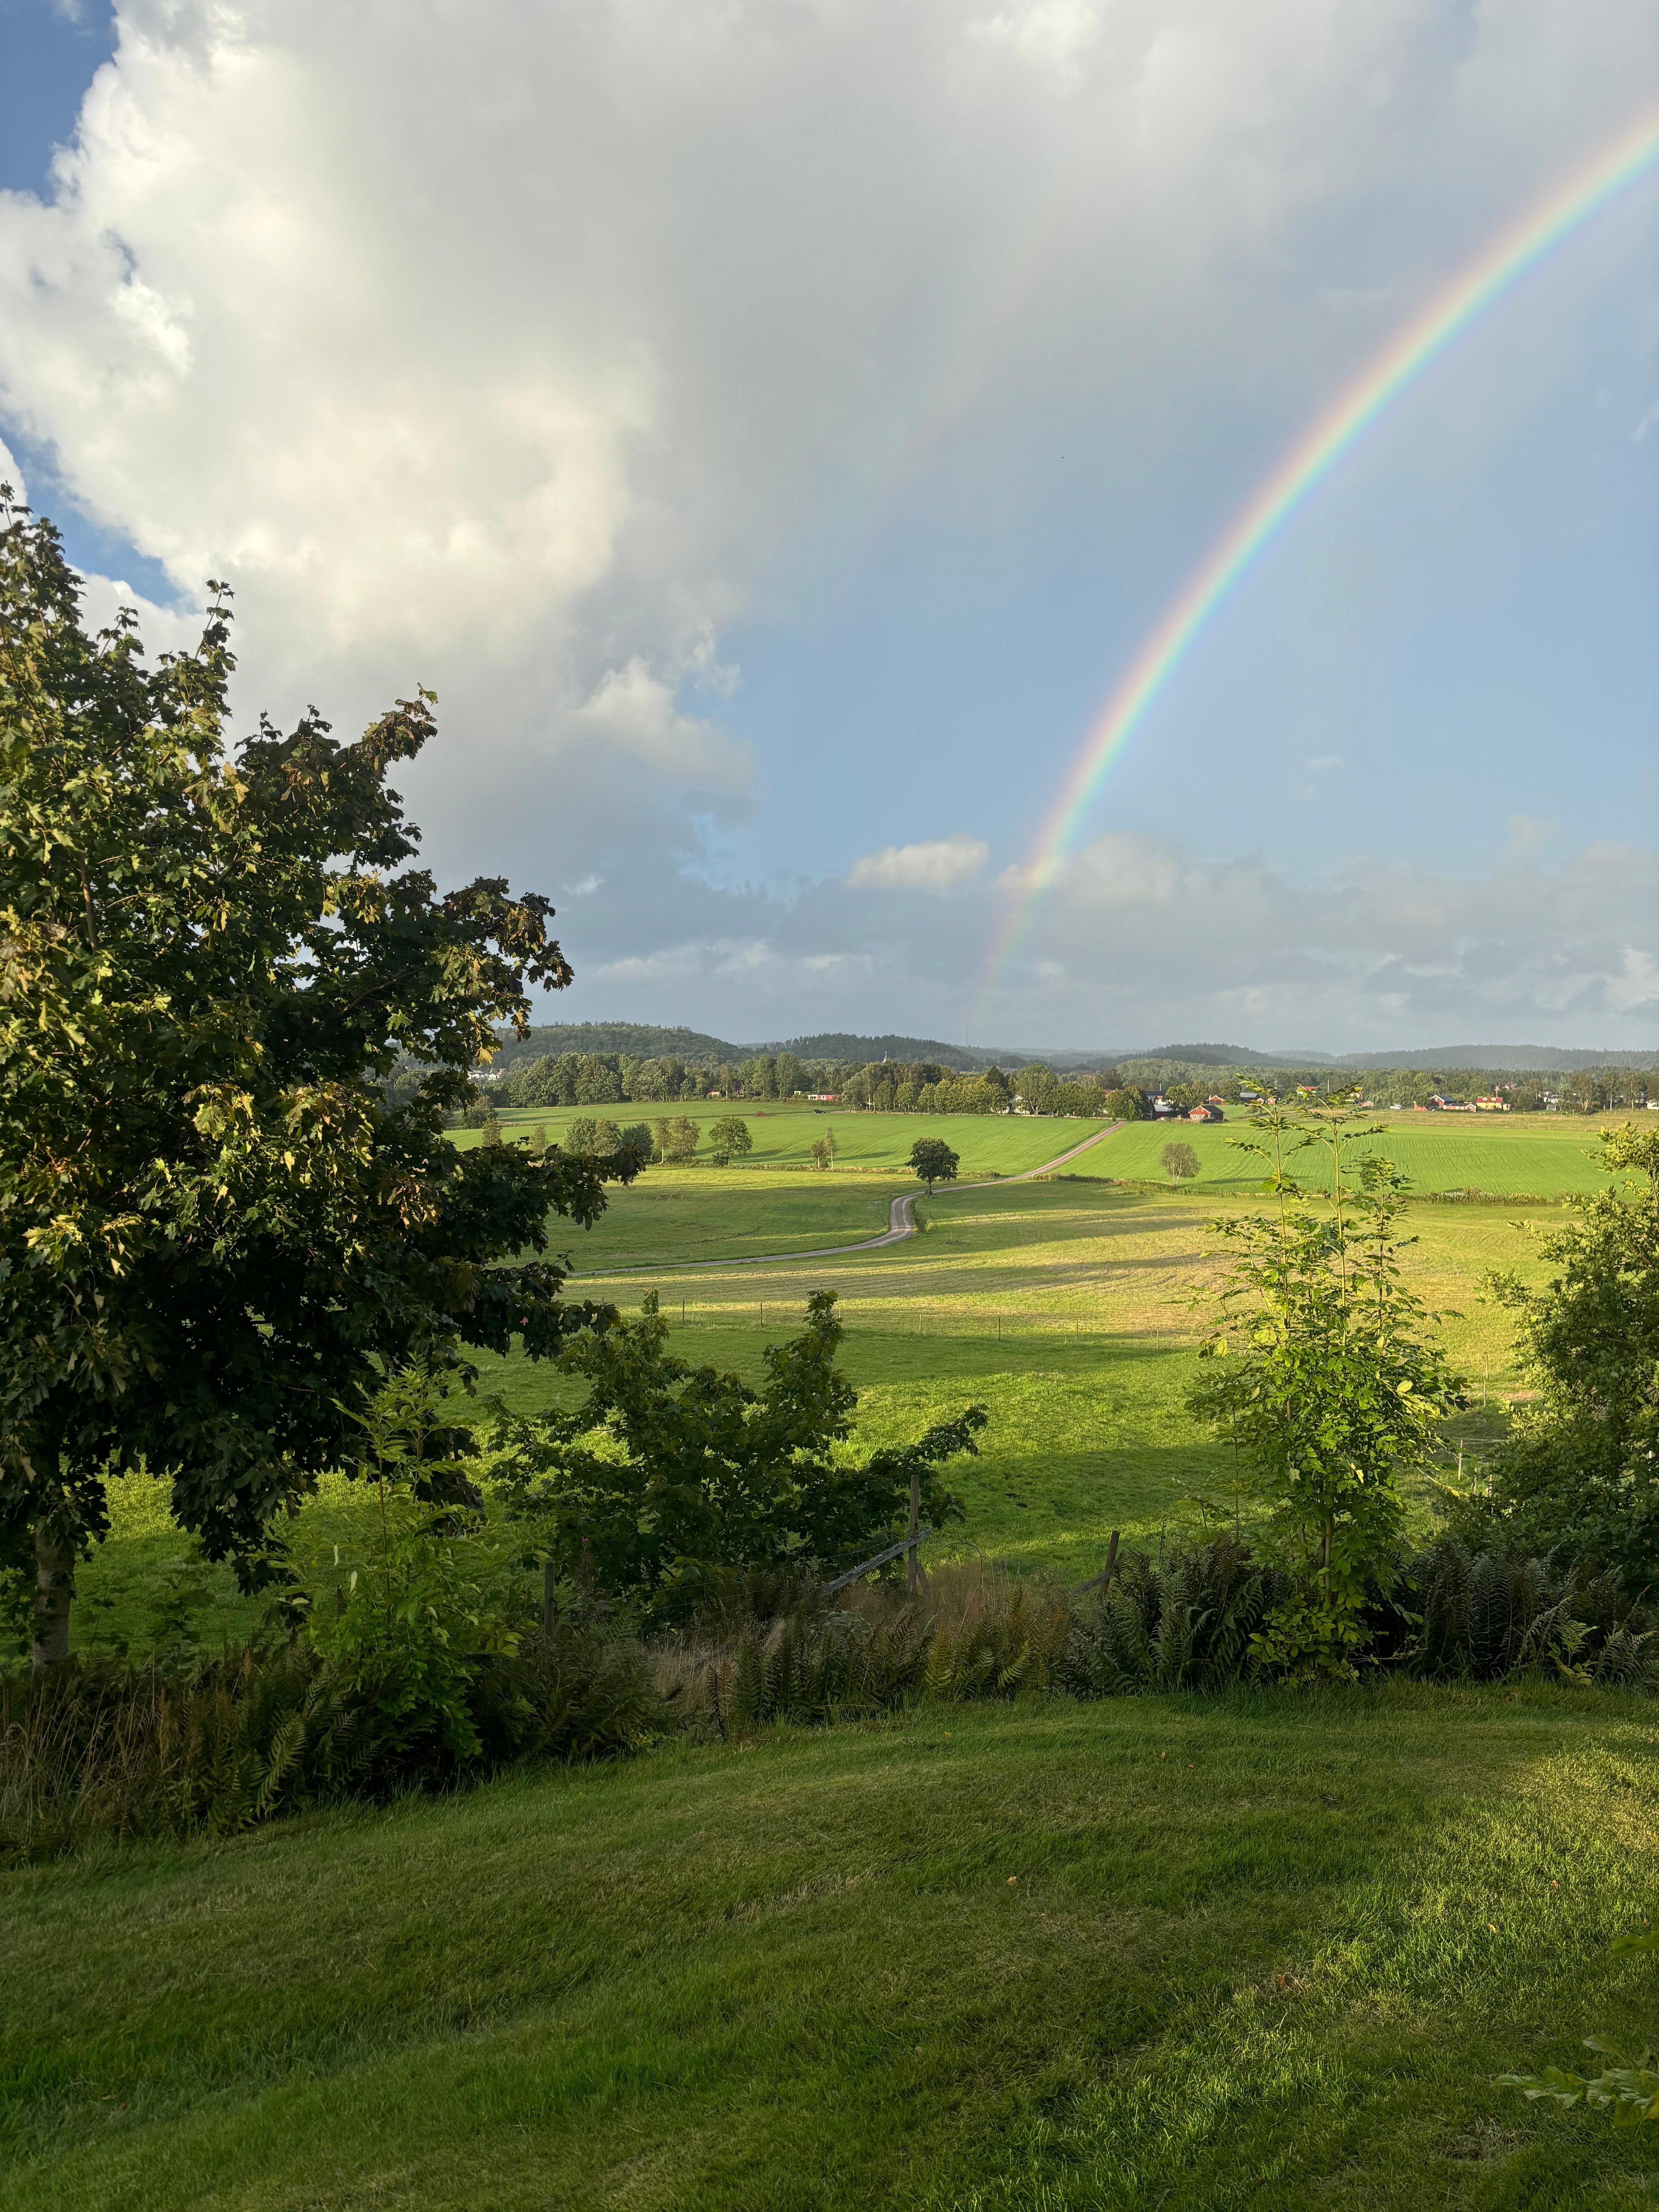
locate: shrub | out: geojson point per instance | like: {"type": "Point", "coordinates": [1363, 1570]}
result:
{"type": "Point", "coordinates": [1325, 1372]}
{"type": "Point", "coordinates": [667, 1474]}
{"type": "Point", "coordinates": [1579, 1473]}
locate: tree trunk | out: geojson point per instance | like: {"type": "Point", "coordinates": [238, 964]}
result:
{"type": "Point", "coordinates": [54, 1586]}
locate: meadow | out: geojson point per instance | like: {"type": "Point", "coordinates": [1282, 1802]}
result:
{"type": "Point", "coordinates": [1509, 1155]}
{"type": "Point", "coordinates": [1065, 1306]}
{"type": "Point", "coordinates": [878, 1144]}
{"type": "Point", "coordinates": [1252, 1951]}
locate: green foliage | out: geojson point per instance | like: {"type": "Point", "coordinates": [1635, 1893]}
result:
{"type": "Point", "coordinates": [1191, 1619]}
{"type": "Point", "coordinates": [1321, 1375]}
{"type": "Point", "coordinates": [1629, 2088]}
{"type": "Point", "coordinates": [584, 1692]}
{"type": "Point", "coordinates": [1126, 1104]}
{"type": "Point", "coordinates": [419, 1622]}
{"type": "Point", "coordinates": [667, 1472]}
{"type": "Point", "coordinates": [1580, 1471]}
{"type": "Point", "coordinates": [219, 1215]}
{"type": "Point", "coordinates": [1180, 1162]}
{"type": "Point", "coordinates": [676, 1139]}
{"type": "Point", "coordinates": [931, 1161]}
{"type": "Point", "coordinates": [729, 1139]}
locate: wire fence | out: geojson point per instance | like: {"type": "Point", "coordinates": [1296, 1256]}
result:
{"type": "Point", "coordinates": [782, 1316]}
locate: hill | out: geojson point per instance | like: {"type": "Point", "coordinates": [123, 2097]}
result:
{"type": "Point", "coordinates": [1259, 1951]}
{"type": "Point", "coordinates": [1506, 1058]}
{"type": "Point", "coordinates": [645, 1041]}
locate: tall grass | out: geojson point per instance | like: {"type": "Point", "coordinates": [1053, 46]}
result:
{"type": "Point", "coordinates": [109, 1751]}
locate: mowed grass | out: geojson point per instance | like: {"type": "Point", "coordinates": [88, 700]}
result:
{"type": "Point", "coordinates": [1530, 1155]}
{"type": "Point", "coordinates": [784, 1133]}
{"type": "Point", "coordinates": [1261, 1952]}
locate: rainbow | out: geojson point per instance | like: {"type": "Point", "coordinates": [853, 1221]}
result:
{"type": "Point", "coordinates": [1546, 225]}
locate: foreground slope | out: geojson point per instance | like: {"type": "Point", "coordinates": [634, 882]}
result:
{"type": "Point", "coordinates": [1256, 1952]}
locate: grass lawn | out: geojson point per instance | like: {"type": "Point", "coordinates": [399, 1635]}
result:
{"type": "Point", "coordinates": [783, 1134]}
{"type": "Point", "coordinates": [1265, 1951]}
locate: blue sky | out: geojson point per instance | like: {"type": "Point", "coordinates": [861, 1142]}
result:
{"type": "Point", "coordinates": [771, 431]}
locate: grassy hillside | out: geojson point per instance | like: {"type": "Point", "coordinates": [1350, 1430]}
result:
{"type": "Point", "coordinates": [1064, 1308]}
{"type": "Point", "coordinates": [1256, 1952]}
{"type": "Point", "coordinates": [1163, 1952]}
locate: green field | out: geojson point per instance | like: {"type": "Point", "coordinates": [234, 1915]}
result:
{"type": "Point", "coordinates": [1063, 1307]}
{"type": "Point", "coordinates": [1530, 1155]}
{"type": "Point", "coordinates": [987, 1143]}
{"type": "Point", "coordinates": [1262, 1951]}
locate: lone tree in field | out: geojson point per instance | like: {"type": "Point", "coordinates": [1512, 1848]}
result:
{"type": "Point", "coordinates": [932, 1161]}
{"type": "Point", "coordinates": [219, 1219]}
{"type": "Point", "coordinates": [1180, 1162]}
{"type": "Point", "coordinates": [729, 1139]}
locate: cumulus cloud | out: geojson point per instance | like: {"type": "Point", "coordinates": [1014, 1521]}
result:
{"type": "Point", "coordinates": [930, 867]}
{"type": "Point", "coordinates": [538, 353]}
{"type": "Point", "coordinates": [1133, 941]}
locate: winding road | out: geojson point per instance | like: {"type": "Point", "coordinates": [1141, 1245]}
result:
{"type": "Point", "coordinates": [901, 1223]}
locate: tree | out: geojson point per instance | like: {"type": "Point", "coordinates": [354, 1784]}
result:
{"type": "Point", "coordinates": [1180, 1162]}
{"type": "Point", "coordinates": [822, 1149]}
{"type": "Point", "coordinates": [729, 1139]}
{"type": "Point", "coordinates": [695, 1471]}
{"type": "Point", "coordinates": [676, 1139]}
{"type": "Point", "coordinates": [1126, 1105]}
{"type": "Point", "coordinates": [537, 1140]}
{"type": "Point", "coordinates": [932, 1161]}
{"type": "Point", "coordinates": [217, 1230]}
{"type": "Point", "coordinates": [1322, 1372]}
{"type": "Point", "coordinates": [1579, 1471]}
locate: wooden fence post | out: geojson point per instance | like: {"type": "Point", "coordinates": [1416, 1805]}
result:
{"type": "Point", "coordinates": [914, 1554]}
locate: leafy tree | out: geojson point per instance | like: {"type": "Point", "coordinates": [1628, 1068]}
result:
{"type": "Point", "coordinates": [1580, 1471]}
{"type": "Point", "coordinates": [1180, 1162]}
{"type": "Point", "coordinates": [678, 1140]}
{"type": "Point", "coordinates": [491, 1127]}
{"type": "Point", "coordinates": [729, 1139]}
{"type": "Point", "coordinates": [822, 1149]}
{"type": "Point", "coordinates": [1322, 1371]}
{"type": "Point", "coordinates": [217, 1229]}
{"type": "Point", "coordinates": [791, 1076]}
{"type": "Point", "coordinates": [932, 1161]}
{"type": "Point", "coordinates": [537, 1140]}
{"type": "Point", "coordinates": [1127, 1105]}
{"type": "Point", "coordinates": [581, 1136]}
{"type": "Point", "coordinates": [692, 1470]}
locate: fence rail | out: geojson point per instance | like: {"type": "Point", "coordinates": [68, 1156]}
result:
{"type": "Point", "coordinates": [781, 1315]}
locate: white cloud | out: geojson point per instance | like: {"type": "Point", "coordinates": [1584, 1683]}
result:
{"type": "Point", "coordinates": [634, 711]}
{"type": "Point", "coordinates": [534, 352]}
{"type": "Point", "coordinates": [931, 867]}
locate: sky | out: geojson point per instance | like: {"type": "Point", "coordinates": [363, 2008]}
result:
{"type": "Point", "coordinates": [772, 427]}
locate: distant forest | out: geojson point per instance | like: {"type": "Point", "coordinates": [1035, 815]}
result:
{"type": "Point", "coordinates": [614, 1063]}
{"type": "Point", "coordinates": [1171, 1062]}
